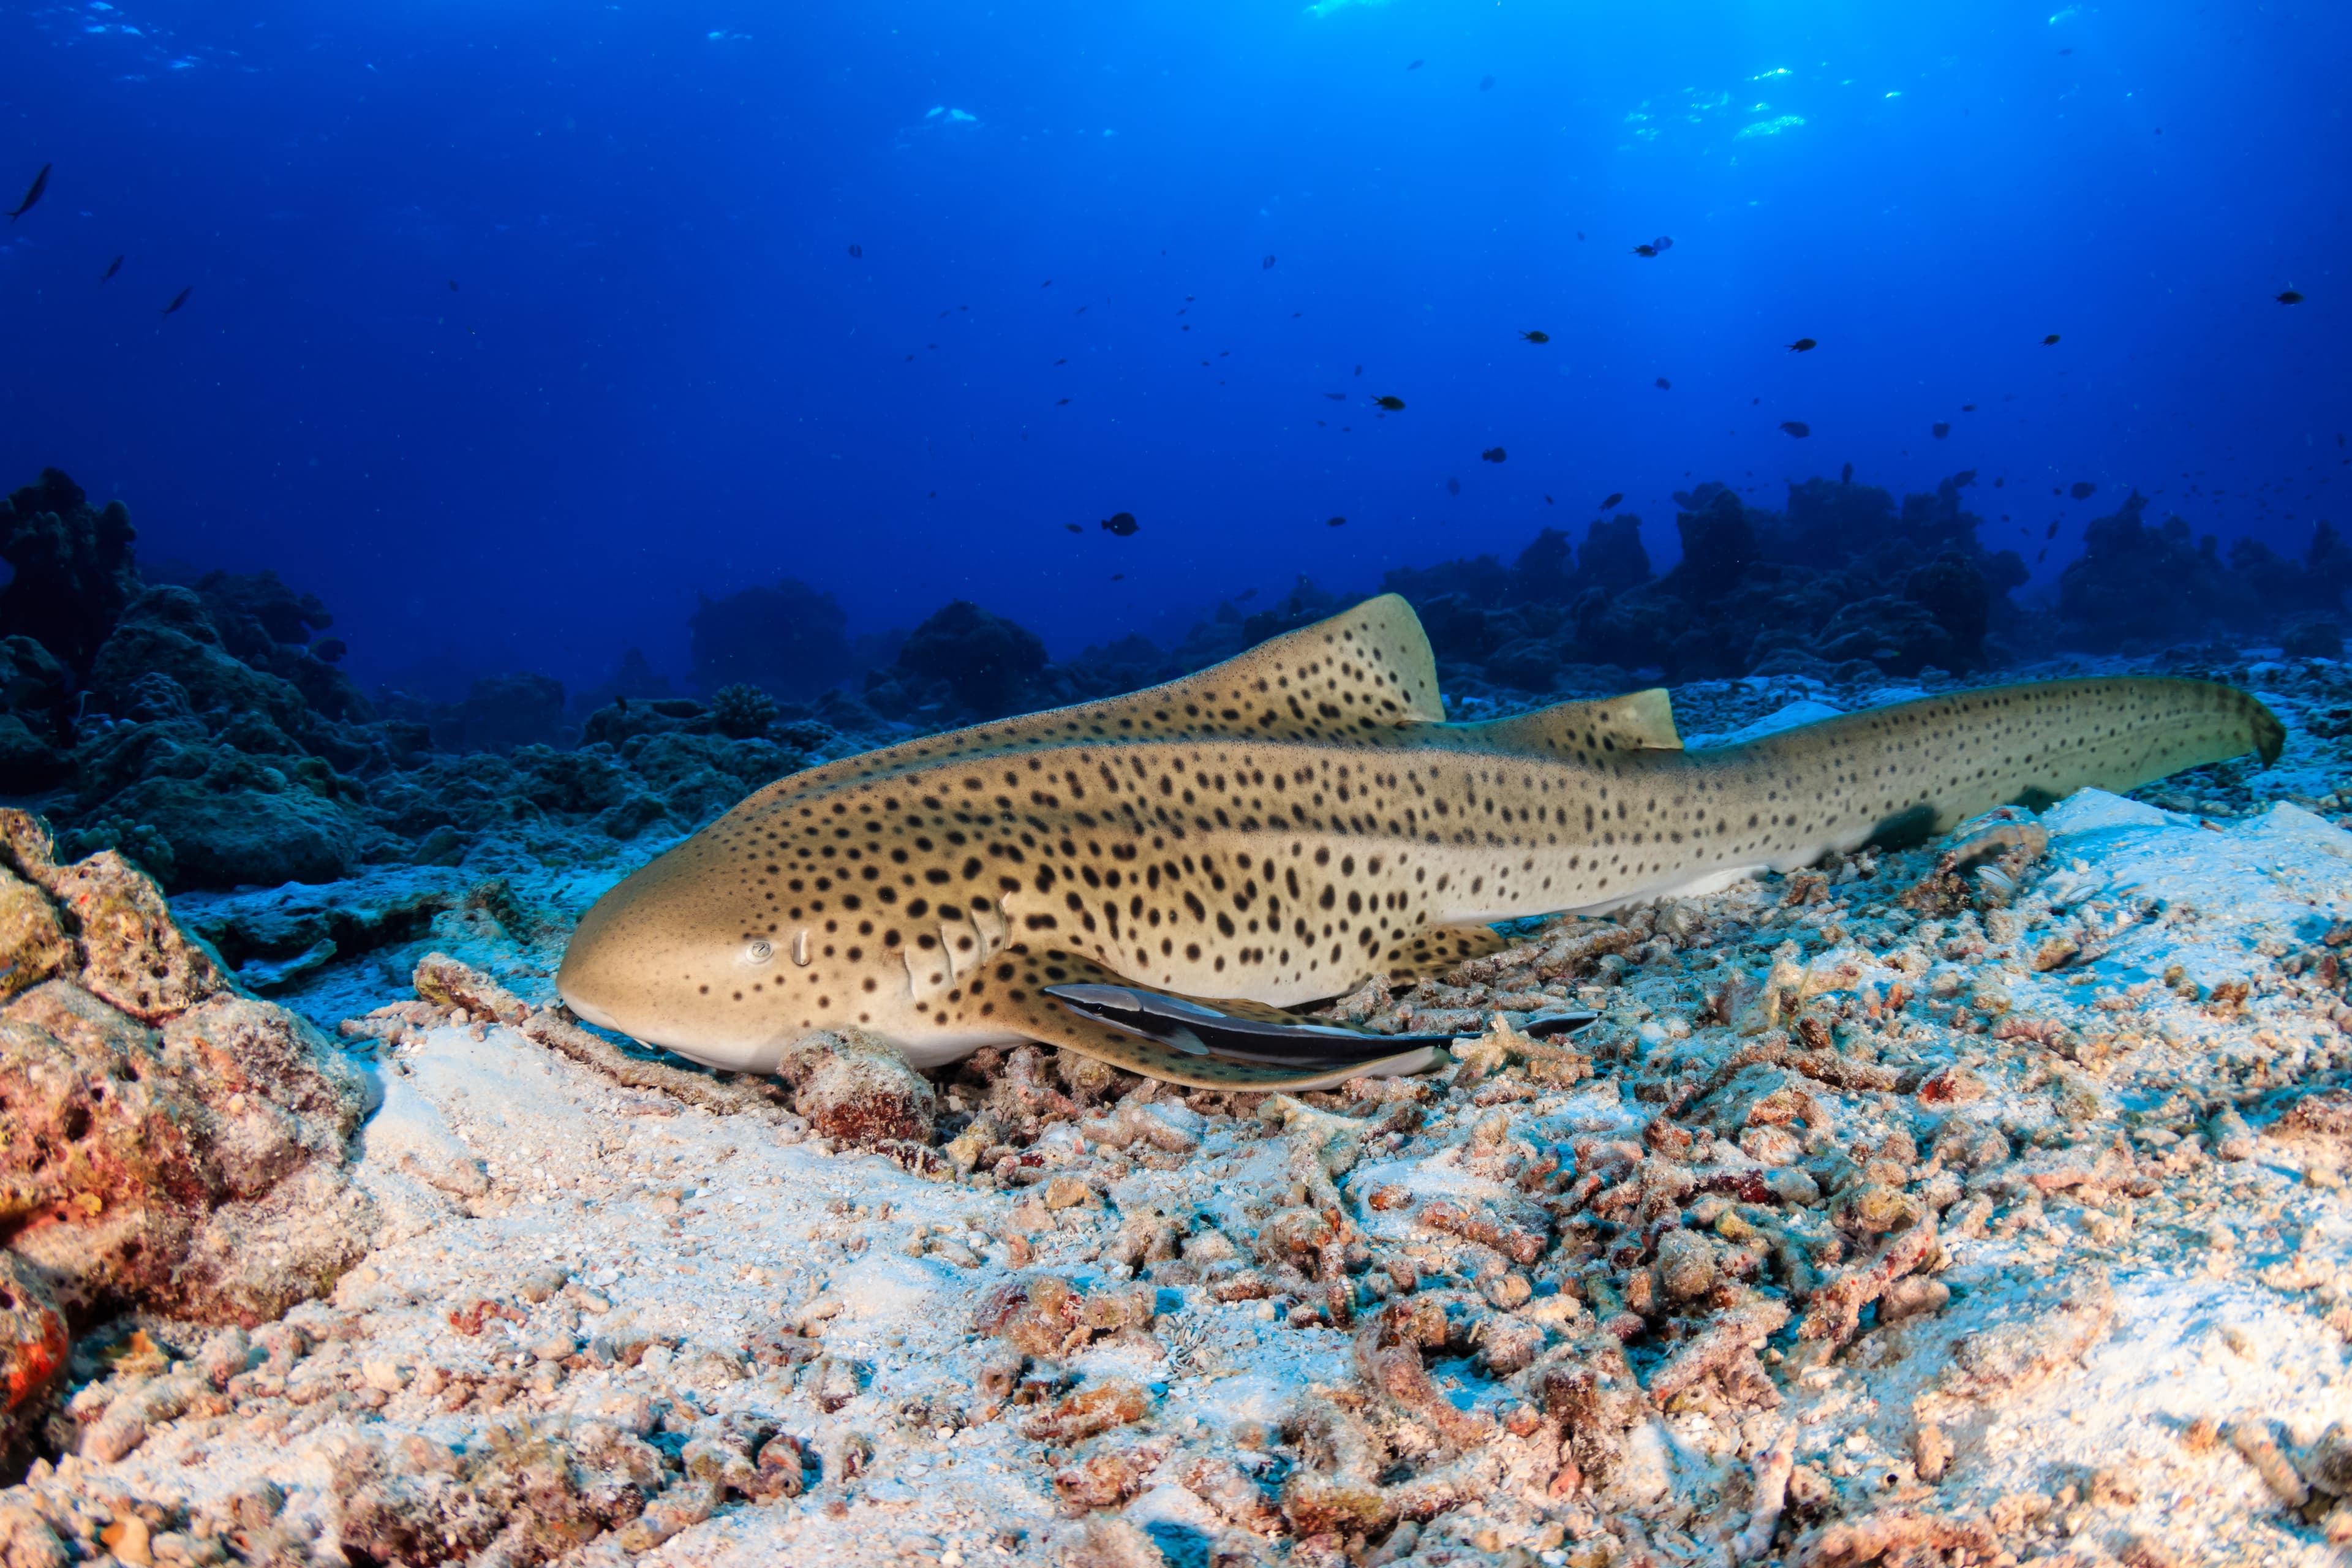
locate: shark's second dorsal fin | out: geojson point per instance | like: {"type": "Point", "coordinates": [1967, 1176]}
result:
{"type": "Point", "coordinates": [1639, 721]}
{"type": "Point", "coordinates": [1359, 675]}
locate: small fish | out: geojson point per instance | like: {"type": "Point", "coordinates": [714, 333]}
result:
{"type": "Point", "coordinates": [1845, 475]}
{"type": "Point", "coordinates": [2054, 529]}
{"type": "Point", "coordinates": [1612, 498]}
{"type": "Point", "coordinates": [1968, 408]}
{"type": "Point", "coordinates": [1662, 385]}
{"type": "Point", "coordinates": [2000, 483]}
{"type": "Point", "coordinates": [1394, 404]}
{"type": "Point", "coordinates": [1337, 396]}
{"type": "Point", "coordinates": [1415, 66]}
{"type": "Point", "coordinates": [1547, 500]}
{"type": "Point", "coordinates": [179, 299]}
{"type": "Point", "coordinates": [1073, 528]}
{"type": "Point", "coordinates": [40, 184]}
{"type": "Point", "coordinates": [1804, 345]}
{"type": "Point", "coordinates": [1266, 265]}
{"type": "Point", "coordinates": [2050, 339]}
{"type": "Point", "coordinates": [453, 285]}
{"type": "Point", "coordinates": [1060, 401]}
{"type": "Point", "coordinates": [1335, 522]}
{"type": "Point", "coordinates": [1485, 84]}
{"type": "Point", "coordinates": [1535, 337]}
{"type": "Point", "coordinates": [2289, 297]}
{"type": "Point", "coordinates": [2080, 490]}
{"type": "Point", "coordinates": [1453, 486]}
{"type": "Point", "coordinates": [1797, 427]}
{"type": "Point", "coordinates": [112, 267]}
{"type": "Point", "coordinates": [1663, 242]}
{"type": "Point", "coordinates": [330, 652]}
{"type": "Point", "coordinates": [1047, 284]}
{"type": "Point", "coordinates": [1941, 429]}
{"type": "Point", "coordinates": [1061, 362]}
{"type": "Point", "coordinates": [856, 253]}
{"type": "Point", "coordinates": [1119, 576]}
{"type": "Point", "coordinates": [1121, 523]}
{"type": "Point", "coordinates": [1645, 250]}
{"type": "Point", "coordinates": [1359, 370]}
{"type": "Point", "coordinates": [1493, 455]}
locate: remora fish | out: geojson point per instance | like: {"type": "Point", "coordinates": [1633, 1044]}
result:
{"type": "Point", "coordinates": [1153, 879]}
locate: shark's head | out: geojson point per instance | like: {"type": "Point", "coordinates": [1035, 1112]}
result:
{"type": "Point", "coordinates": [680, 955]}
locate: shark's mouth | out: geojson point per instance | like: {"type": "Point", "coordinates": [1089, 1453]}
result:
{"type": "Point", "coordinates": [1200, 1029]}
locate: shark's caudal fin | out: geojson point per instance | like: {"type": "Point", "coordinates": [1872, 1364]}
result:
{"type": "Point", "coordinates": [2032, 743]}
{"type": "Point", "coordinates": [1363, 671]}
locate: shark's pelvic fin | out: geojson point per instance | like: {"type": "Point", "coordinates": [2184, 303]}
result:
{"type": "Point", "coordinates": [1435, 949]}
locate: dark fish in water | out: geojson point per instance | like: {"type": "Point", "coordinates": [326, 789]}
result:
{"type": "Point", "coordinates": [1415, 66]}
{"type": "Point", "coordinates": [1454, 487]}
{"type": "Point", "coordinates": [1612, 498]}
{"type": "Point", "coordinates": [1663, 242]}
{"type": "Point", "coordinates": [1122, 523]}
{"type": "Point", "coordinates": [1645, 250]}
{"type": "Point", "coordinates": [2001, 482]}
{"type": "Point", "coordinates": [1535, 337]}
{"type": "Point", "coordinates": [453, 285]}
{"type": "Point", "coordinates": [1060, 401]}
{"type": "Point", "coordinates": [1267, 265]}
{"type": "Point", "coordinates": [856, 252]}
{"type": "Point", "coordinates": [1337, 396]}
{"type": "Point", "coordinates": [2054, 529]}
{"type": "Point", "coordinates": [2289, 297]}
{"type": "Point", "coordinates": [1119, 576]}
{"type": "Point", "coordinates": [2080, 490]}
{"type": "Point", "coordinates": [2048, 341]}
{"type": "Point", "coordinates": [1547, 500]}
{"type": "Point", "coordinates": [1804, 345]}
{"type": "Point", "coordinates": [179, 299]}
{"type": "Point", "coordinates": [1073, 528]}
{"type": "Point", "coordinates": [1968, 408]}
{"type": "Point", "coordinates": [1845, 475]}
{"type": "Point", "coordinates": [1664, 384]}
{"type": "Point", "coordinates": [1797, 427]}
{"type": "Point", "coordinates": [40, 184]}
{"type": "Point", "coordinates": [112, 267]}
{"type": "Point", "coordinates": [1940, 428]}
{"type": "Point", "coordinates": [1485, 83]}
{"type": "Point", "coordinates": [1359, 370]}
{"type": "Point", "coordinates": [1493, 455]}
{"type": "Point", "coordinates": [1335, 522]}
{"type": "Point", "coordinates": [330, 652]}
{"type": "Point", "coordinates": [1394, 404]}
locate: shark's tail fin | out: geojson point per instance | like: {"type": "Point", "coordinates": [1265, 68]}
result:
{"type": "Point", "coordinates": [1922, 767]}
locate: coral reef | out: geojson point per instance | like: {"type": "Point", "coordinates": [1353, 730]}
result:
{"type": "Point", "coordinates": [165, 1142]}
{"type": "Point", "coordinates": [786, 639]}
{"type": "Point", "coordinates": [73, 569]}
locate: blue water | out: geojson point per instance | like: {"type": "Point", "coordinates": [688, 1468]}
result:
{"type": "Point", "coordinates": [663, 373]}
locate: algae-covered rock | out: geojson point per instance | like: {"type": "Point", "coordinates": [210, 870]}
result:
{"type": "Point", "coordinates": [73, 567]}
{"type": "Point", "coordinates": [168, 631]}
{"type": "Point", "coordinates": [164, 1142]}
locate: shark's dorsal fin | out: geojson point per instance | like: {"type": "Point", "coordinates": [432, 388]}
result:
{"type": "Point", "coordinates": [1639, 721]}
{"type": "Point", "coordinates": [1365, 674]}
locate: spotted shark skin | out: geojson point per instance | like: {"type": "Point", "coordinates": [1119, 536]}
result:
{"type": "Point", "coordinates": [1275, 831]}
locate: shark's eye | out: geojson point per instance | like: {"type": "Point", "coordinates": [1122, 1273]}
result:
{"type": "Point", "coordinates": [759, 952]}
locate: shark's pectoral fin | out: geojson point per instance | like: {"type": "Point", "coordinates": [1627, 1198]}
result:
{"type": "Point", "coordinates": [1437, 950]}
{"type": "Point", "coordinates": [1058, 998]}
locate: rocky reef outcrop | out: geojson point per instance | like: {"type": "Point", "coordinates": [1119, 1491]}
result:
{"type": "Point", "coordinates": [168, 1142]}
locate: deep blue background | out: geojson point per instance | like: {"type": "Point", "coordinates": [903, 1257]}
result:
{"type": "Point", "coordinates": [662, 371]}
